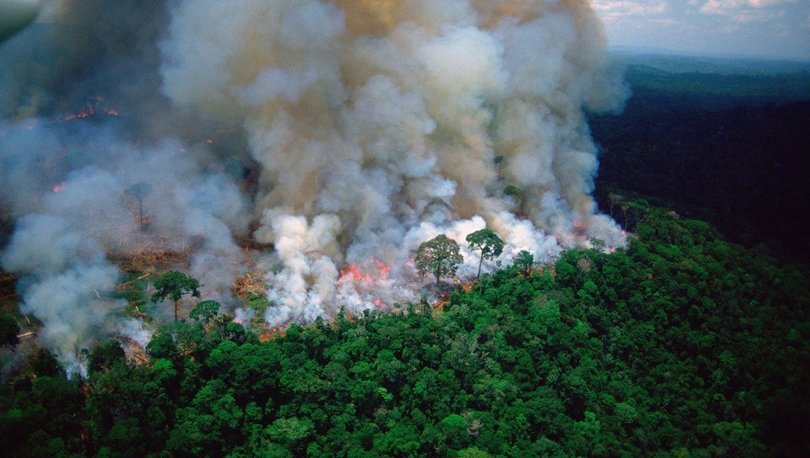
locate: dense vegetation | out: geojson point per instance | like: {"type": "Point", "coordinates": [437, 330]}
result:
{"type": "Point", "coordinates": [682, 344]}
{"type": "Point", "coordinates": [719, 141]}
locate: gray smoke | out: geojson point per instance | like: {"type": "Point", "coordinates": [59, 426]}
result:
{"type": "Point", "coordinates": [338, 134]}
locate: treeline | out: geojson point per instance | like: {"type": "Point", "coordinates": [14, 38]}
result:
{"type": "Point", "coordinates": [712, 89]}
{"type": "Point", "coordinates": [682, 344]}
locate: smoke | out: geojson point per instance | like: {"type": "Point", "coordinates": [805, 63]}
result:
{"type": "Point", "coordinates": [65, 275]}
{"type": "Point", "coordinates": [353, 130]}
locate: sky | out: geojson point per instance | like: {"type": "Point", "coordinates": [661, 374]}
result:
{"type": "Point", "coordinates": [744, 28]}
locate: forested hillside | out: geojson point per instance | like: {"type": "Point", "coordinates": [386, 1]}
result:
{"type": "Point", "coordinates": [682, 344]}
{"type": "Point", "coordinates": [725, 142]}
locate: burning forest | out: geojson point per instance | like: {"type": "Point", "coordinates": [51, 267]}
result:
{"type": "Point", "coordinates": [301, 149]}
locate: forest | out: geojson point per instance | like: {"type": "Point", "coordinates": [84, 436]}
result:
{"type": "Point", "coordinates": [694, 340]}
{"type": "Point", "coordinates": [682, 344]}
{"type": "Point", "coordinates": [717, 140]}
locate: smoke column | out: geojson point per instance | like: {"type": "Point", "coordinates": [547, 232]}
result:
{"type": "Point", "coordinates": [359, 129]}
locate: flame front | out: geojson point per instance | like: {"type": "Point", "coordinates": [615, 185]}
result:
{"type": "Point", "coordinates": [367, 282]}
{"type": "Point", "coordinates": [372, 272]}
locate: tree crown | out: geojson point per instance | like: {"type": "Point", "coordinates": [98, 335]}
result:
{"type": "Point", "coordinates": [174, 285]}
{"type": "Point", "coordinates": [440, 256]}
{"type": "Point", "coordinates": [487, 242]}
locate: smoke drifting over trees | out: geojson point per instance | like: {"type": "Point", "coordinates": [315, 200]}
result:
{"type": "Point", "coordinates": [368, 127]}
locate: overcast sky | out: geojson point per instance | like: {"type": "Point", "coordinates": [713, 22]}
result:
{"type": "Point", "coordinates": [762, 28]}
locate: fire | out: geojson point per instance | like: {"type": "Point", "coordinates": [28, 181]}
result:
{"type": "Point", "coordinates": [368, 279]}
{"type": "Point", "coordinates": [90, 111]}
{"type": "Point", "coordinates": [353, 272]}
{"type": "Point", "coordinates": [575, 236]}
{"type": "Point", "coordinates": [579, 226]}
{"type": "Point", "coordinates": [372, 272]}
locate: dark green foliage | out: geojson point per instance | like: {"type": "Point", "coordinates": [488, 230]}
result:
{"type": "Point", "coordinates": [205, 312]}
{"type": "Point", "coordinates": [439, 256]}
{"type": "Point", "coordinates": [43, 418]}
{"type": "Point", "coordinates": [727, 148]}
{"type": "Point", "coordinates": [513, 191]}
{"type": "Point", "coordinates": [524, 261]}
{"type": "Point", "coordinates": [9, 329]}
{"type": "Point", "coordinates": [105, 356]}
{"type": "Point", "coordinates": [488, 243]}
{"type": "Point", "coordinates": [44, 363]}
{"type": "Point", "coordinates": [681, 344]}
{"type": "Point", "coordinates": [174, 285]}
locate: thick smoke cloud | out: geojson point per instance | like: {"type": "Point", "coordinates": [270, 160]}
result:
{"type": "Point", "coordinates": [353, 130]}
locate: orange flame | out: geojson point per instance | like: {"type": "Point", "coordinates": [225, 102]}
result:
{"type": "Point", "coordinates": [579, 226]}
{"type": "Point", "coordinates": [367, 277]}
{"type": "Point", "coordinates": [372, 272]}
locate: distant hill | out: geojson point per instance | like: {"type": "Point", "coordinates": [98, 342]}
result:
{"type": "Point", "coordinates": [672, 62]}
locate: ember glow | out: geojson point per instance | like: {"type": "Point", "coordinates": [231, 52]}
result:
{"type": "Point", "coordinates": [368, 281]}
{"type": "Point", "coordinates": [90, 111]}
{"type": "Point", "coordinates": [317, 142]}
{"type": "Point", "coordinates": [370, 272]}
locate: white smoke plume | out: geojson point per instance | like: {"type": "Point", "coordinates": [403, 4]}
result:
{"type": "Point", "coordinates": [358, 129]}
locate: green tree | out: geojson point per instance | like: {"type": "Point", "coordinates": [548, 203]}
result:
{"type": "Point", "coordinates": [174, 285]}
{"type": "Point", "coordinates": [488, 243]}
{"type": "Point", "coordinates": [205, 312]}
{"type": "Point", "coordinates": [290, 432]}
{"type": "Point", "coordinates": [440, 256]}
{"type": "Point", "coordinates": [106, 355]}
{"type": "Point", "coordinates": [585, 360]}
{"type": "Point", "coordinates": [524, 260]}
{"type": "Point", "coordinates": [517, 194]}
{"type": "Point", "coordinates": [473, 452]}
{"type": "Point", "coordinates": [454, 430]}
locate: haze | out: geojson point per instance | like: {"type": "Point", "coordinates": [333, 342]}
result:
{"type": "Point", "coordinates": [740, 28]}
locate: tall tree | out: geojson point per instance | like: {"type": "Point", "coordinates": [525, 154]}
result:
{"type": "Point", "coordinates": [488, 243]}
{"type": "Point", "coordinates": [139, 191]}
{"type": "Point", "coordinates": [525, 261]}
{"type": "Point", "coordinates": [174, 285]}
{"type": "Point", "coordinates": [440, 256]}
